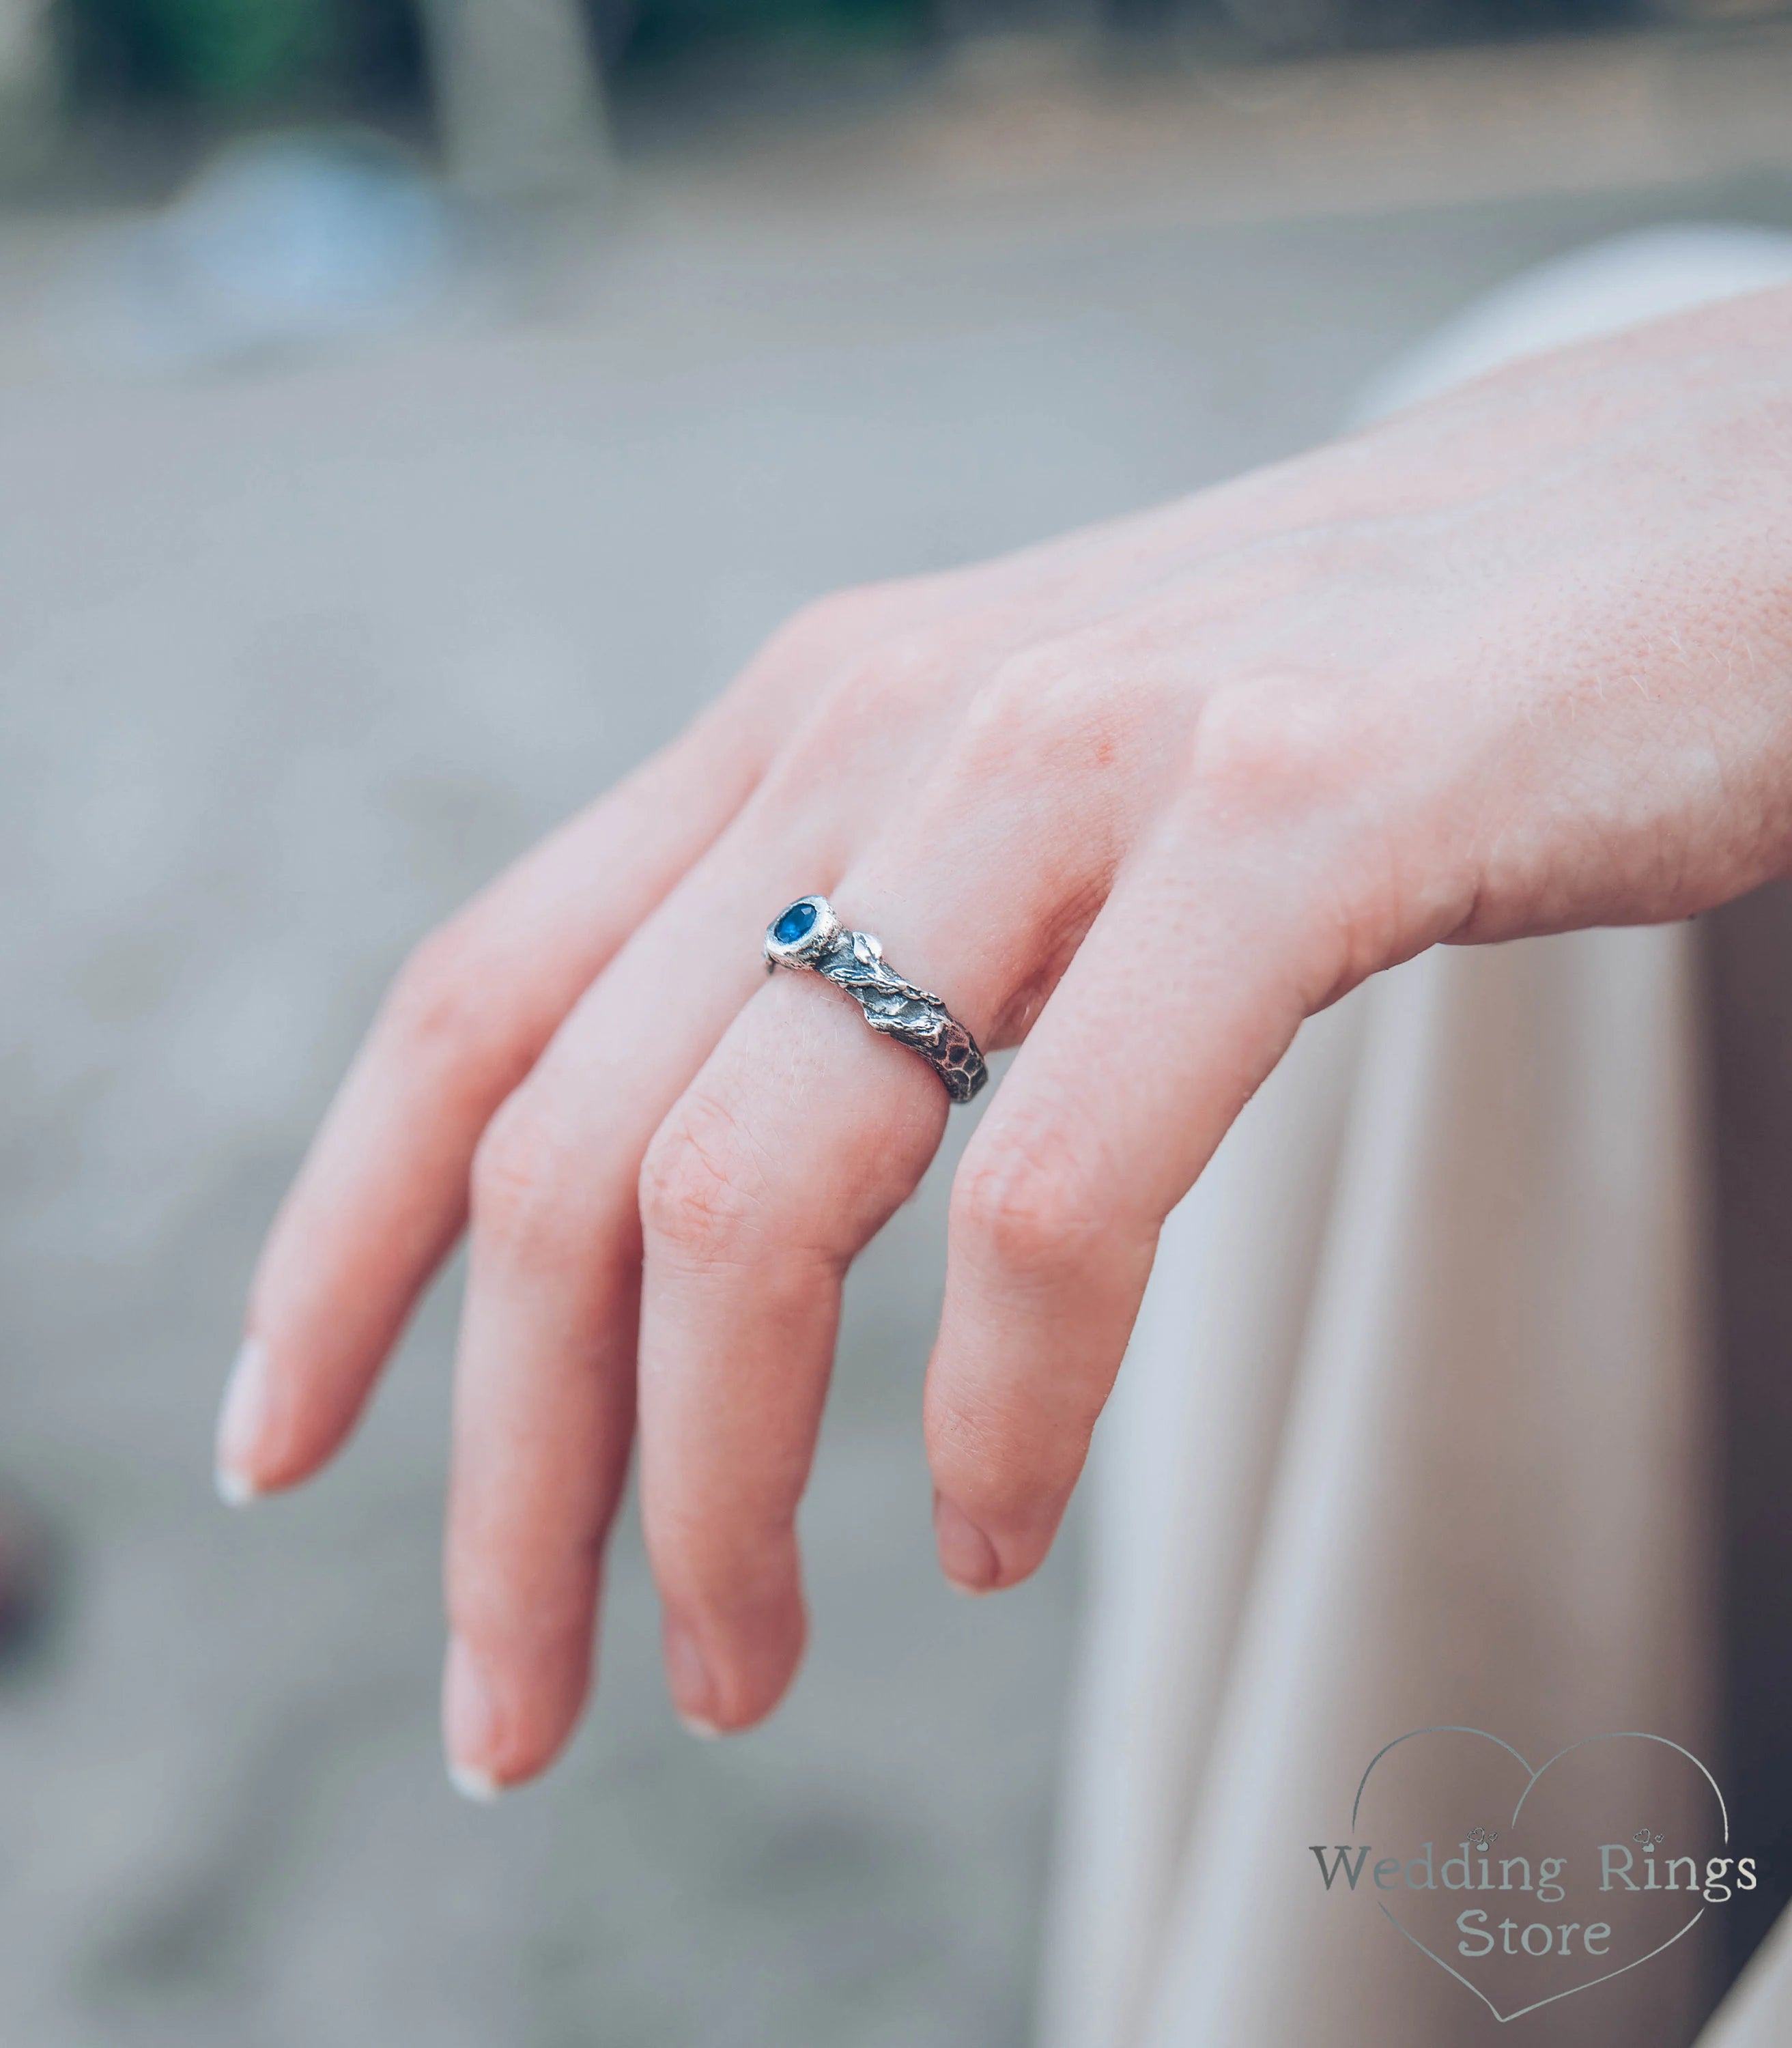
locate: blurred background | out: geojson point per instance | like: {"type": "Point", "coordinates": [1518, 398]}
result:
{"type": "Point", "coordinates": [409, 410]}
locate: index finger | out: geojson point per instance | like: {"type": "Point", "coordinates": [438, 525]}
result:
{"type": "Point", "coordinates": [382, 1195]}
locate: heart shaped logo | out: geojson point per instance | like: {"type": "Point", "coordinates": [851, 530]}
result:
{"type": "Point", "coordinates": [1530, 1884]}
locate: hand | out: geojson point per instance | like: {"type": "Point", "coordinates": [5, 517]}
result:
{"type": "Point", "coordinates": [1145, 798]}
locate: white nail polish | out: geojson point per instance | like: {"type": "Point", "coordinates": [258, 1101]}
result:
{"type": "Point", "coordinates": [235, 1489]}
{"type": "Point", "coordinates": [240, 1422]}
{"type": "Point", "coordinates": [704, 1731]}
{"type": "Point", "coordinates": [480, 1786]}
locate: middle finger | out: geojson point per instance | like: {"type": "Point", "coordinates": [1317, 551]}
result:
{"type": "Point", "coordinates": [799, 1138]}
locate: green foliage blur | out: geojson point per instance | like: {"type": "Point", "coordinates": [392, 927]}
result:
{"type": "Point", "coordinates": [244, 53]}
{"type": "Point", "coordinates": [254, 54]}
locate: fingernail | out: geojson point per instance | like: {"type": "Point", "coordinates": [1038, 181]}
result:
{"type": "Point", "coordinates": [966, 1556]}
{"type": "Point", "coordinates": [240, 1422]}
{"type": "Point", "coordinates": [470, 1724]}
{"type": "Point", "coordinates": [480, 1786]}
{"type": "Point", "coordinates": [694, 1691]}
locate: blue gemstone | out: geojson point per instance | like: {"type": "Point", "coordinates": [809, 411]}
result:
{"type": "Point", "coordinates": [799, 918]}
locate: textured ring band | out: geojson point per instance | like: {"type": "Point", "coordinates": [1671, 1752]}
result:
{"type": "Point", "coordinates": [808, 935]}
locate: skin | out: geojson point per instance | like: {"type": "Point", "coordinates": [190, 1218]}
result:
{"type": "Point", "coordinates": [1139, 801]}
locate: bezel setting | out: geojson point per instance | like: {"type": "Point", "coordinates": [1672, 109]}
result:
{"type": "Point", "coordinates": [815, 944]}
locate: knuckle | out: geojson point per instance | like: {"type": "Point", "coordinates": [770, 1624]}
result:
{"type": "Point", "coordinates": [1031, 687]}
{"type": "Point", "coordinates": [1325, 773]}
{"type": "Point", "coordinates": [1025, 1208]}
{"type": "Point", "coordinates": [1046, 673]}
{"type": "Point", "coordinates": [867, 713]}
{"type": "Point", "coordinates": [1059, 708]}
{"type": "Point", "coordinates": [523, 1179]}
{"type": "Point", "coordinates": [745, 1563]}
{"type": "Point", "coordinates": [1279, 743]}
{"type": "Point", "coordinates": [702, 1190]}
{"type": "Point", "coordinates": [893, 673]}
{"type": "Point", "coordinates": [434, 1003]}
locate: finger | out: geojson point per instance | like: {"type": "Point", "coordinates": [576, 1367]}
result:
{"type": "Point", "coordinates": [1191, 984]}
{"type": "Point", "coordinates": [800, 1135]}
{"type": "Point", "coordinates": [545, 1375]}
{"type": "Point", "coordinates": [382, 1195]}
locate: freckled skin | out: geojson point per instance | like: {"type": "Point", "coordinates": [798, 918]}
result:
{"type": "Point", "coordinates": [1515, 661]}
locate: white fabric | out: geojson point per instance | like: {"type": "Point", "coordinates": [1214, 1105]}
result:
{"type": "Point", "coordinates": [1414, 1429]}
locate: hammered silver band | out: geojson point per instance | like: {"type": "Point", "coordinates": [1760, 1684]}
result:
{"type": "Point", "coordinates": [807, 935]}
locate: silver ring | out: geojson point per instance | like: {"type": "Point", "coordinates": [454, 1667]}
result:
{"type": "Point", "coordinates": [807, 935]}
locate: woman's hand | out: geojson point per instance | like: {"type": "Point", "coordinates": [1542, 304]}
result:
{"type": "Point", "coordinates": [1517, 660]}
